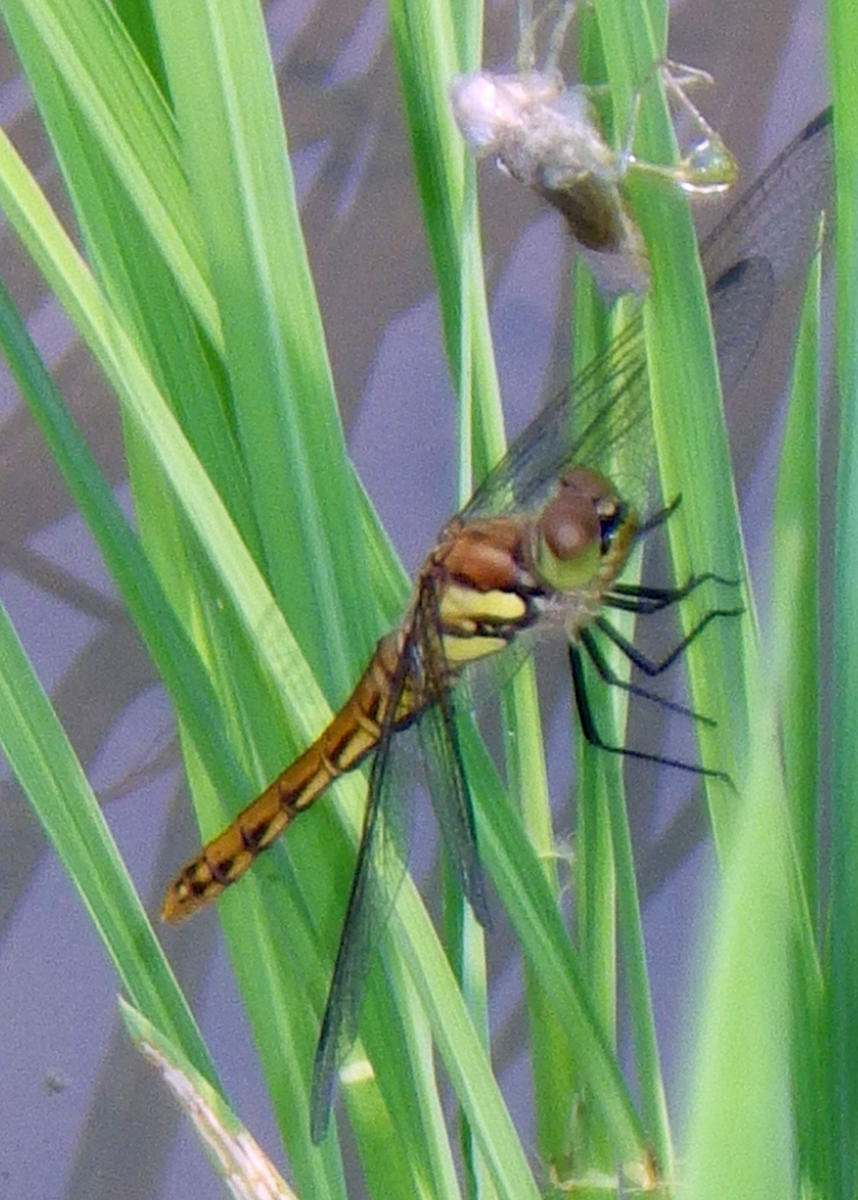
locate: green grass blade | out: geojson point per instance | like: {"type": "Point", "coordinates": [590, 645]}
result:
{"type": "Point", "coordinates": [599, 781]}
{"type": "Point", "coordinates": [531, 905]}
{"type": "Point", "coordinates": [430, 50]}
{"type": "Point", "coordinates": [465, 1059]}
{"type": "Point", "coordinates": [283, 404]}
{"type": "Point", "coordinates": [795, 655]}
{"type": "Point", "coordinates": [89, 48]}
{"type": "Point", "coordinates": [632, 39]}
{"type": "Point", "coordinates": [843, 905]}
{"type": "Point", "coordinates": [693, 454]}
{"type": "Point", "coordinates": [741, 1136]}
{"type": "Point", "coordinates": [795, 589]}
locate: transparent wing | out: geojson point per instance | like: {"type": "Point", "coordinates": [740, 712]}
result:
{"type": "Point", "coordinates": [765, 238]}
{"type": "Point", "coordinates": [761, 243]}
{"type": "Point", "coordinates": [384, 841]}
{"type": "Point", "coordinates": [442, 757]}
{"type": "Point", "coordinates": [775, 218]}
{"type": "Point", "coordinates": [601, 408]}
{"type": "Point", "coordinates": [378, 874]}
{"type": "Point", "coordinates": [739, 303]}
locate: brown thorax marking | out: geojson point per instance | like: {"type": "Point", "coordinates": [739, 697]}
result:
{"type": "Point", "coordinates": [484, 584]}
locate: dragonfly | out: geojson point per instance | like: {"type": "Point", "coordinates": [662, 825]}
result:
{"type": "Point", "coordinates": [541, 544]}
{"type": "Point", "coordinates": [544, 133]}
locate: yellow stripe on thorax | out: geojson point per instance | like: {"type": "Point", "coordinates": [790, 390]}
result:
{"type": "Point", "coordinates": [466, 649]}
{"type": "Point", "coordinates": [468, 608]}
{"type": "Point", "coordinates": [469, 615]}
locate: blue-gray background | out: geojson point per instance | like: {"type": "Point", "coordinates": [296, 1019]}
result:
{"type": "Point", "coordinates": [80, 1115]}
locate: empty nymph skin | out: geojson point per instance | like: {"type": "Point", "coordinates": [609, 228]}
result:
{"type": "Point", "coordinates": [544, 134]}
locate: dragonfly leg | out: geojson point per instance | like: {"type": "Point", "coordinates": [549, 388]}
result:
{"type": "Point", "coordinates": [633, 597]}
{"type": "Point", "coordinates": [646, 664]}
{"type": "Point", "coordinates": [558, 34]}
{"type": "Point", "coordinates": [610, 677]}
{"type": "Point", "coordinates": [588, 728]}
{"type": "Point", "coordinates": [659, 518]}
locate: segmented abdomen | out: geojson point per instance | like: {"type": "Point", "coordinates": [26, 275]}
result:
{"type": "Point", "coordinates": [351, 735]}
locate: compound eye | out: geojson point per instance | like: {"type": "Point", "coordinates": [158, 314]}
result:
{"type": "Point", "coordinates": [570, 526]}
{"type": "Point", "coordinates": [568, 542]}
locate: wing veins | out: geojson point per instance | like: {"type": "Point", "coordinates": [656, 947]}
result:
{"type": "Point", "coordinates": [449, 792]}
{"type": "Point", "coordinates": [361, 926]}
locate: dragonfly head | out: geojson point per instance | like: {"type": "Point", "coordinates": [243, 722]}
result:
{"type": "Point", "coordinates": [585, 531]}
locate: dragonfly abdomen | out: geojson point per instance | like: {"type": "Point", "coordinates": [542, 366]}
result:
{"type": "Point", "coordinates": [343, 744]}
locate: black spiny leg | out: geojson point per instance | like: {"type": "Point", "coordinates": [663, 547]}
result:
{"type": "Point", "coordinates": [646, 664]}
{"type": "Point", "coordinates": [611, 677]}
{"type": "Point", "coordinates": [588, 727]}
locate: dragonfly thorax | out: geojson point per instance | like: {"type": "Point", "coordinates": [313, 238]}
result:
{"type": "Point", "coordinates": [584, 534]}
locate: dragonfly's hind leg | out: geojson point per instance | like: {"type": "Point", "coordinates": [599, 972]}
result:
{"type": "Point", "coordinates": [558, 34]}
{"type": "Point", "coordinates": [613, 679]}
{"type": "Point", "coordinates": [526, 56]}
{"type": "Point", "coordinates": [641, 599]}
{"type": "Point", "coordinates": [591, 733]}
